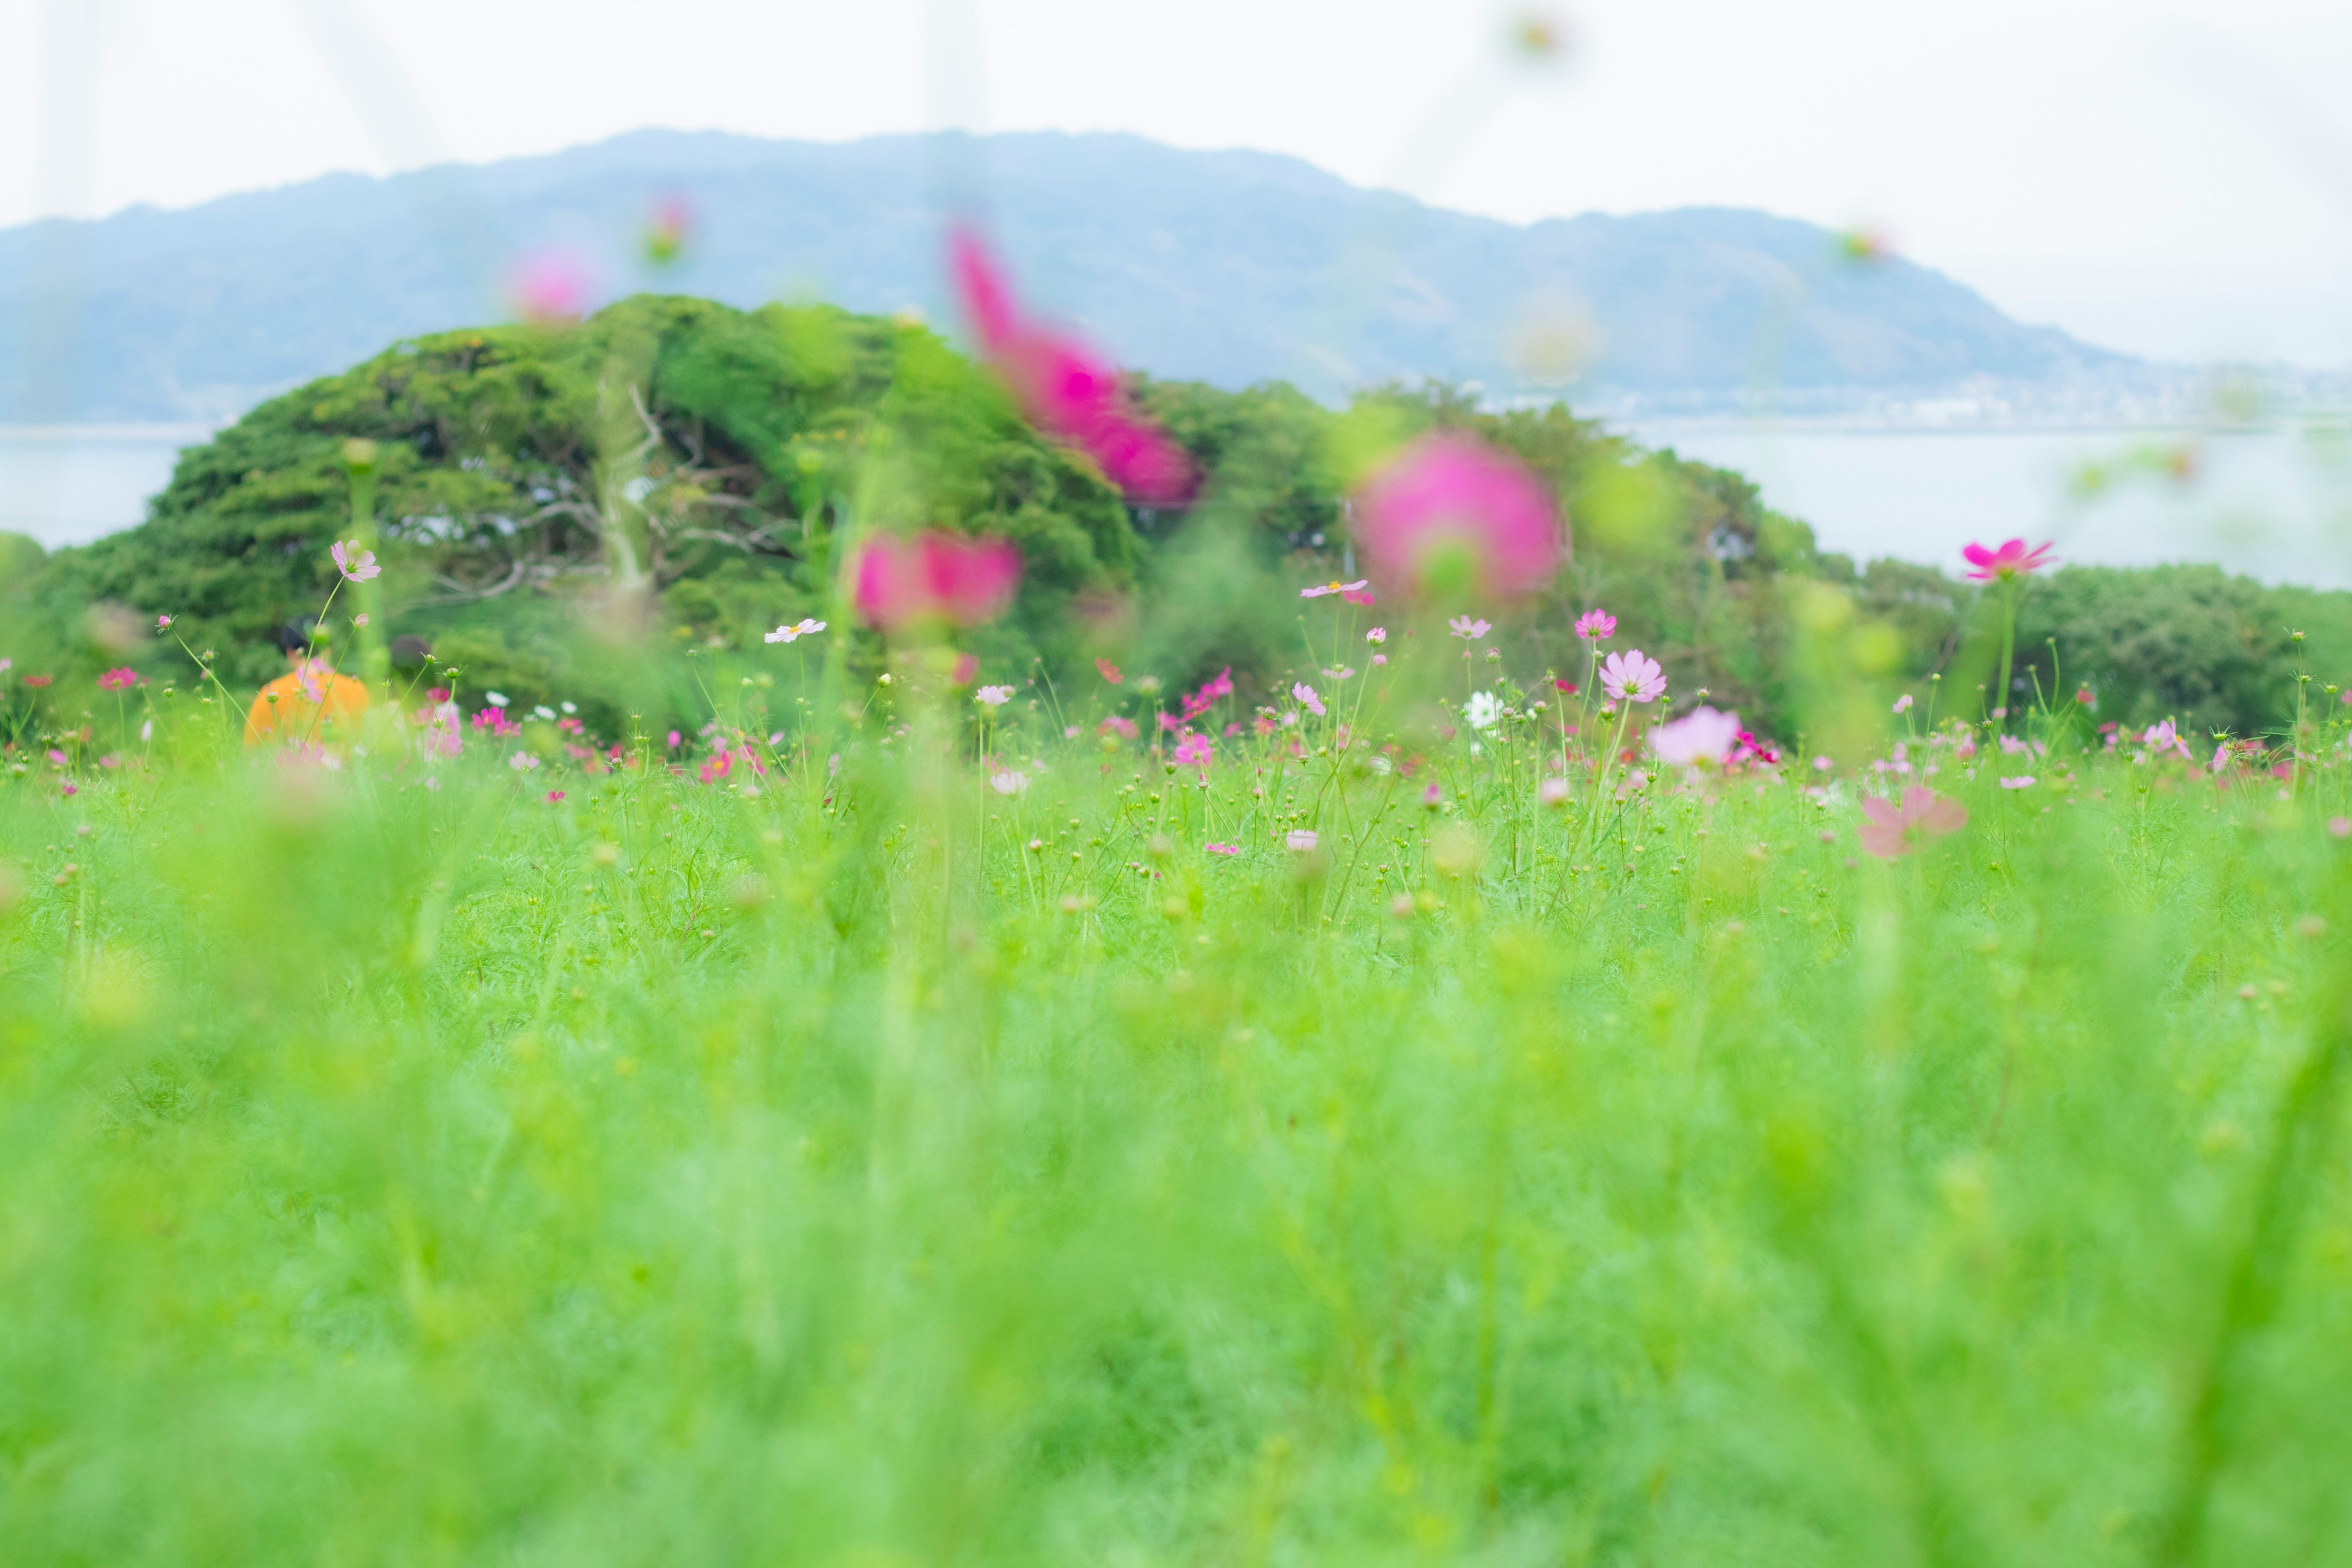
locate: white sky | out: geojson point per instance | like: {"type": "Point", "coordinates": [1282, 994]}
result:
{"type": "Point", "coordinates": [2174, 179]}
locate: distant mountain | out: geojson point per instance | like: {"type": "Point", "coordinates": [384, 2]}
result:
{"type": "Point", "coordinates": [1230, 267]}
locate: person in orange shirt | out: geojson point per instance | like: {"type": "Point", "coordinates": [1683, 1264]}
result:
{"type": "Point", "coordinates": [309, 700]}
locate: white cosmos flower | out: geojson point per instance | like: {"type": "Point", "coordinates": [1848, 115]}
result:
{"type": "Point", "coordinates": [794, 633]}
{"type": "Point", "coordinates": [1009, 782]}
{"type": "Point", "coordinates": [1484, 709]}
{"type": "Point", "coordinates": [495, 699]}
{"type": "Point", "coordinates": [994, 697]}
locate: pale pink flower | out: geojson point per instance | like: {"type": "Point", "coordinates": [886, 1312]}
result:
{"type": "Point", "coordinates": [1302, 839]}
{"type": "Point", "coordinates": [356, 564]}
{"type": "Point", "coordinates": [1596, 626]}
{"type": "Point", "coordinates": [2162, 737]}
{"type": "Point", "coordinates": [1306, 695]}
{"type": "Point", "coordinates": [1703, 737]}
{"type": "Point", "coordinates": [2340, 827]}
{"type": "Point", "coordinates": [2220, 756]}
{"type": "Point", "coordinates": [1224, 849]}
{"type": "Point", "coordinates": [1379, 660]}
{"type": "Point", "coordinates": [1116, 725]}
{"type": "Point", "coordinates": [1891, 830]}
{"type": "Point", "coordinates": [1449, 501]}
{"type": "Point", "coordinates": [523, 761]}
{"type": "Point", "coordinates": [1008, 783]}
{"type": "Point", "coordinates": [935, 577]}
{"type": "Point", "coordinates": [1903, 703]}
{"type": "Point", "coordinates": [1061, 384]}
{"type": "Point", "coordinates": [1468, 628]}
{"type": "Point", "coordinates": [1376, 635]}
{"type": "Point", "coordinates": [2023, 780]}
{"type": "Point", "coordinates": [1632, 677]}
{"type": "Point", "coordinates": [549, 287]}
{"type": "Point", "coordinates": [993, 696]}
{"type": "Point", "coordinates": [2012, 560]}
{"type": "Point", "coordinates": [1349, 589]}
{"type": "Point", "coordinates": [1552, 792]}
{"type": "Point", "coordinates": [967, 666]}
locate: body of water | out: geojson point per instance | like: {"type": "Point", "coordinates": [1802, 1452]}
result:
{"type": "Point", "coordinates": [68, 485]}
{"type": "Point", "coordinates": [2275, 504]}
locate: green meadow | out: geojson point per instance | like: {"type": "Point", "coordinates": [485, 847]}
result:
{"type": "Point", "coordinates": [868, 1156]}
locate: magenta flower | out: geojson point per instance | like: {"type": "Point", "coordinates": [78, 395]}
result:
{"type": "Point", "coordinates": [1062, 385]}
{"type": "Point", "coordinates": [1449, 503]}
{"type": "Point", "coordinates": [2012, 560]}
{"type": "Point", "coordinates": [1701, 738]}
{"type": "Point", "coordinates": [1009, 782]}
{"type": "Point", "coordinates": [118, 679]}
{"type": "Point", "coordinates": [1596, 626]}
{"type": "Point", "coordinates": [1632, 677]}
{"type": "Point", "coordinates": [1220, 685]}
{"type": "Point", "coordinates": [1306, 695]}
{"type": "Point", "coordinates": [2163, 737]}
{"type": "Point", "coordinates": [935, 578]}
{"type": "Point", "coordinates": [1193, 751]}
{"type": "Point", "coordinates": [1468, 628]}
{"type": "Point", "coordinates": [356, 564]}
{"type": "Point", "coordinates": [1224, 849]}
{"type": "Point", "coordinates": [1891, 830]}
{"type": "Point", "coordinates": [1350, 589]}
{"type": "Point", "coordinates": [549, 287]}
{"type": "Point", "coordinates": [161, 622]}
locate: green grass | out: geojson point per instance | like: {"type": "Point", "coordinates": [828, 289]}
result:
{"type": "Point", "coordinates": [677, 1175]}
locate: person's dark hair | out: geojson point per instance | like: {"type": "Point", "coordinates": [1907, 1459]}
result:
{"type": "Point", "coordinates": [297, 634]}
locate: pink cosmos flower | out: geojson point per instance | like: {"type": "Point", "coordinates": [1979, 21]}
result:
{"type": "Point", "coordinates": [1632, 677]}
{"type": "Point", "coordinates": [1306, 695]}
{"type": "Point", "coordinates": [1219, 685]}
{"type": "Point", "coordinates": [2012, 560]}
{"type": "Point", "coordinates": [1193, 751]}
{"type": "Point", "coordinates": [1701, 738]}
{"type": "Point", "coordinates": [2163, 737]}
{"type": "Point", "coordinates": [1449, 501]}
{"type": "Point", "coordinates": [1116, 725]}
{"type": "Point", "coordinates": [554, 796]}
{"type": "Point", "coordinates": [2220, 756]}
{"type": "Point", "coordinates": [356, 564]}
{"type": "Point", "coordinates": [1903, 703]}
{"type": "Point", "coordinates": [549, 287]}
{"type": "Point", "coordinates": [1062, 385]}
{"type": "Point", "coordinates": [1377, 635]}
{"type": "Point", "coordinates": [1552, 792]}
{"type": "Point", "coordinates": [1008, 783]}
{"type": "Point", "coordinates": [1300, 839]}
{"type": "Point", "coordinates": [1596, 626]}
{"type": "Point", "coordinates": [1109, 672]}
{"type": "Point", "coordinates": [2023, 780]}
{"type": "Point", "coordinates": [1350, 589]}
{"type": "Point", "coordinates": [967, 666]}
{"type": "Point", "coordinates": [1224, 849]}
{"type": "Point", "coordinates": [1468, 628]}
{"type": "Point", "coordinates": [38, 680]}
{"type": "Point", "coordinates": [1891, 830]}
{"type": "Point", "coordinates": [118, 679]}
{"type": "Point", "coordinates": [935, 577]}
{"type": "Point", "coordinates": [993, 696]}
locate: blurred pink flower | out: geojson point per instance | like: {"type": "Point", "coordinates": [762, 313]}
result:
{"type": "Point", "coordinates": [1008, 783]}
{"type": "Point", "coordinates": [118, 679]}
{"type": "Point", "coordinates": [1193, 751]}
{"type": "Point", "coordinates": [1903, 703]}
{"type": "Point", "coordinates": [1632, 676]}
{"type": "Point", "coordinates": [993, 696]}
{"type": "Point", "coordinates": [1701, 737]}
{"type": "Point", "coordinates": [935, 577]}
{"type": "Point", "coordinates": [967, 666]}
{"type": "Point", "coordinates": [1469, 627]}
{"type": "Point", "coordinates": [2023, 780]}
{"type": "Point", "coordinates": [2012, 560]}
{"type": "Point", "coordinates": [1109, 672]}
{"type": "Point", "coordinates": [1224, 849]}
{"type": "Point", "coordinates": [1348, 588]}
{"type": "Point", "coordinates": [160, 622]}
{"type": "Point", "coordinates": [356, 564]}
{"type": "Point", "coordinates": [554, 796]}
{"type": "Point", "coordinates": [549, 287]}
{"type": "Point", "coordinates": [1891, 830]}
{"type": "Point", "coordinates": [1449, 501]}
{"type": "Point", "coordinates": [1116, 725]}
{"type": "Point", "coordinates": [1596, 626]}
{"type": "Point", "coordinates": [1061, 384]}
{"type": "Point", "coordinates": [1377, 635]}
{"type": "Point", "coordinates": [668, 228]}
{"type": "Point", "coordinates": [1220, 685]}
{"type": "Point", "coordinates": [1552, 792]}
{"type": "Point", "coordinates": [1306, 695]}
{"type": "Point", "coordinates": [1302, 839]}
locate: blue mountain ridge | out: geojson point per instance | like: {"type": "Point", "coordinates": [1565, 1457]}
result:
{"type": "Point", "coordinates": [1227, 267]}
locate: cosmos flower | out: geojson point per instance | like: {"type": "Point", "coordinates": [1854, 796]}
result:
{"type": "Point", "coordinates": [1632, 676]}
{"type": "Point", "coordinates": [1891, 830]}
{"type": "Point", "coordinates": [796, 631]}
{"type": "Point", "coordinates": [993, 696]}
{"type": "Point", "coordinates": [118, 679]}
{"type": "Point", "coordinates": [1195, 751]}
{"type": "Point", "coordinates": [935, 577]}
{"type": "Point", "coordinates": [1224, 849]}
{"type": "Point", "coordinates": [522, 761]}
{"type": "Point", "coordinates": [2010, 561]}
{"type": "Point", "coordinates": [1552, 791]}
{"type": "Point", "coordinates": [356, 564]}
{"type": "Point", "coordinates": [1596, 626]}
{"type": "Point", "coordinates": [1300, 839]}
{"type": "Point", "coordinates": [1306, 695]}
{"type": "Point", "coordinates": [1061, 384]}
{"type": "Point", "coordinates": [1903, 703]}
{"type": "Point", "coordinates": [1377, 635]}
{"type": "Point", "coordinates": [1483, 710]}
{"type": "Point", "coordinates": [1701, 738]}
{"type": "Point", "coordinates": [1346, 588]}
{"type": "Point", "coordinates": [1008, 783]}
{"type": "Point", "coordinates": [1450, 512]}
{"type": "Point", "coordinates": [1468, 628]}
{"type": "Point", "coordinates": [1117, 725]}
{"type": "Point", "coordinates": [2023, 780]}
{"type": "Point", "coordinates": [2163, 737]}
{"type": "Point", "coordinates": [1109, 672]}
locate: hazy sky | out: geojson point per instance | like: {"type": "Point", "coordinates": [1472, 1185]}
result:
{"type": "Point", "coordinates": [2174, 179]}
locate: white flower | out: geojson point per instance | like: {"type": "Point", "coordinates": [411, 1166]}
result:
{"type": "Point", "coordinates": [1301, 839]}
{"type": "Point", "coordinates": [542, 711]}
{"type": "Point", "coordinates": [2023, 780]}
{"type": "Point", "coordinates": [495, 699]}
{"type": "Point", "coordinates": [569, 706]}
{"type": "Point", "coordinates": [797, 630]}
{"type": "Point", "coordinates": [1009, 783]}
{"type": "Point", "coordinates": [994, 697]}
{"type": "Point", "coordinates": [1484, 709]}
{"type": "Point", "coordinates": [522, 761]}
{"type": "Point", "coordinates": [1376, 635]}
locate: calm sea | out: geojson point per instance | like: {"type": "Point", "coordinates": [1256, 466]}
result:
{"type": "Point", "coordinates": [2276, 504]}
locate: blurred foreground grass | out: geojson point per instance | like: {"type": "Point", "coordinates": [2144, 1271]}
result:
{"type": "Point", "coordinates": [677, 1175]}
